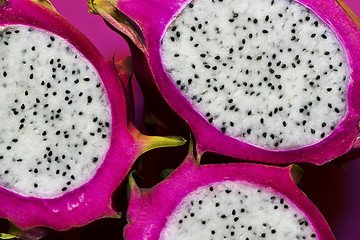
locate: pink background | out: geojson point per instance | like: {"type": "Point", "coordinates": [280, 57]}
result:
{"type": "Point", "coordinates": [334, 187]}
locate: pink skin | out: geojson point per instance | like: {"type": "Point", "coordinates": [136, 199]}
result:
{"type": "Point", "coordinates": [92, 200]}
{"type": "Point", "coordinates": [149, 208]}
{"type": "Point", "coordinates": [147, 64]}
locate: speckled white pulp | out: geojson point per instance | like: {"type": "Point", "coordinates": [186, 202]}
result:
{"type": "Point", "coordinates": [236, 210]}
{"type": "Point", "coordinates": [268, 72]}
{"type": "Point", "coordinates": [55, 115]}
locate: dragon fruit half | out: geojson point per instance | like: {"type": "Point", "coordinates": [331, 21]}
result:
{"type": "Point", "coordinates": [224, 201]}
{"type": "Point", "coordinates": [66, 139]}
{"type": "Point", "coordinates": [272, 81]}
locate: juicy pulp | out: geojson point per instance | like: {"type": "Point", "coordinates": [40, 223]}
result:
{"type": "Point", "coordinates": [236, 210]}
{"type": "Point", "coordinates": [55, 124]}
{"type": "Point", "coordinates": [268, 72]}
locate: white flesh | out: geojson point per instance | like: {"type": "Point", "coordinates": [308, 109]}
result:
{"type": "Point", "coordinates": [236, 211]}
{"type": "Point", "coordinates": [47, 114]}
{"type": "Point", "coordinates": [218, 53]}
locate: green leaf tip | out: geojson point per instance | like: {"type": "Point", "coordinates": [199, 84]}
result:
{"type": "Point", "coordinates": [153, 142]}
{"type": "Point", "coordinates": [132, 186]}
{"type": "Point", "coordinates": [132, 182]}
{"type": "Point", "coordinates": [47, 4]}
{"type": "Point", "coordinates": [108, 11]}
{"type": "Point", "coordinates": [296, 173]}
{"type": "Point", "coordinates": [7, 236]}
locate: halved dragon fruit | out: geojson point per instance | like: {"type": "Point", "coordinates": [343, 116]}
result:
{"type": "Point", "coordinates": [263, 80]}
{"type": "Point", "coordinates": [225, 201]}
{"type": "Point", "coordinates": [67, 141]}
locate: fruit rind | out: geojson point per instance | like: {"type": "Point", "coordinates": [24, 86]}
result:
{"type": "Point", "coordinates": [149, 208]}
{"type": "Point", "coordinates": [92, 200]}
{"type": "Point", "coordinates": [151, 27]}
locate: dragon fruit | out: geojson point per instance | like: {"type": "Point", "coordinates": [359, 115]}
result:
{"type": "Point", "coordinates": [67, 141]}
{"type": "Point", "coordinates": [218, 201]}
{"type": "Point", "coordinates": [263, 80]}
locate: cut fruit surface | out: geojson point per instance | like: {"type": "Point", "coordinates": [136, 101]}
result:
{"type": "Point", "coordinates": [271, 81]}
